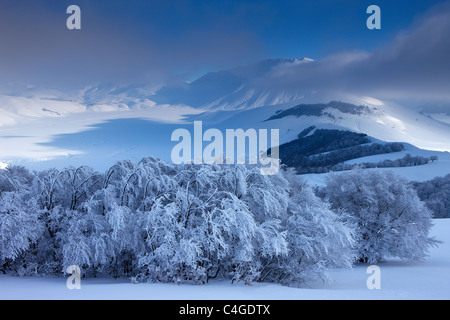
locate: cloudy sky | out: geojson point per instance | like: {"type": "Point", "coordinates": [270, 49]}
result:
{"type": "Point", "coordinates": [413, 66]}
{"type": "Point", "coordinates": [163, 40]}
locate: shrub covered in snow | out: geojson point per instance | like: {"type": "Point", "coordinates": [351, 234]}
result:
{"type": "Point", "coordinates": [390, 219]}
{"type": "Point", "coordinates": [153, 221]}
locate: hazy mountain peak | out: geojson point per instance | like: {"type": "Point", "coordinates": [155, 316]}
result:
{"type": "Point", "coordinates": [236, 88]}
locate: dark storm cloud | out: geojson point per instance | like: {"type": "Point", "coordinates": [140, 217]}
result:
{"type": "Point", "coordinates": [39, 49]}
{"type": "Point", "coordinates": [117, 43]}
{"type": "Point", "coordinates": [417, 62]}
{"type": "Point", "coordinates": [414, 67]}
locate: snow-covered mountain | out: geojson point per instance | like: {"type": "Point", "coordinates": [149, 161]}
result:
{"type": "Point", "coordinates": [247, 87]}
{"type": "Point", "coordinates": [237, 88]}
{"type": "Point", "coordinates": [382, 121]}
{"type": "Point", "coordinates": [385, 121]}
{"type": "Point", "coordinates": [24, 104]}
{"type": "Point", "coordinates": [48, 124]}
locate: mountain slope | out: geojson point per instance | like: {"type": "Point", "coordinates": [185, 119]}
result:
{"type": "Point", "coordinates": [248, 87]}
{"type": "Point", "coordinates": [238, 88]}
{"type": "Point", "coordinates": [92, 123]}
{"type": "Point", "coordinates": [382, 120]}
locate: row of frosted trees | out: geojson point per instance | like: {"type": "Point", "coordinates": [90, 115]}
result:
{"type": "Point", "coordinates": [153, 221]}
{"type": "Point", "coordinates": [436, 194]}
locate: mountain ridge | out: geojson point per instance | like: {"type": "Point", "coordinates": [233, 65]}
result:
{"type": "Point", "coordinates": [236, 88]}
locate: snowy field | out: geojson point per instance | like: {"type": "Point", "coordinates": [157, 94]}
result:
{"type": "Point", "coordinates": [399, 281]}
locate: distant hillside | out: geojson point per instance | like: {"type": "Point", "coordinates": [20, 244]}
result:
{"type": "Point", "coordinates": [321, 150]}
{"type": "Point", "coordinates": [320, 109]}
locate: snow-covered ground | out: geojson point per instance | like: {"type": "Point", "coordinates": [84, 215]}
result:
{"type": "Point", "coordinates": [399, 281]}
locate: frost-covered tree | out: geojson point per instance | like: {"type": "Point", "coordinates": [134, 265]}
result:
{"type": "Point", "coordinates": [20, 229]}
{"type": "Point", "coordinates": [208, 229]}
{"type": "Point", "coordinates": [436, 195]}
{"type": "Point", "coordinates": [100, 235]}
{"type": "Point", "coordinates": [14, 179]}
{"type": "Point", "coordinates": [232, 221]}
{"type": "Point", "coordinates": [318, 238]}
{"type": "Point", "coordinates": [155, 221]}
{"type": "Point", "coordinates": [390, 219]}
